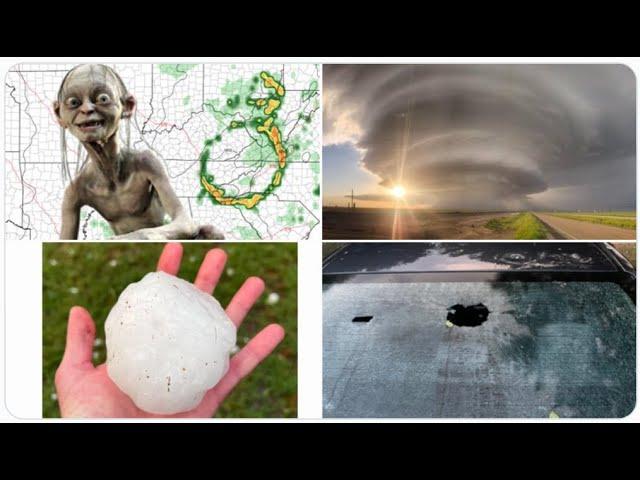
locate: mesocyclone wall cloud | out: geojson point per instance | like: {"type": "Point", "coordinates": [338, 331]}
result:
{"type": "Point", "coordinates": [491, 136]}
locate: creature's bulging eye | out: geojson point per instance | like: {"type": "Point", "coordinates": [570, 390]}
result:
{"type": "Point", "coordinates": [73, 102]}
{"type": "Point", "coordinates": [103, 98]}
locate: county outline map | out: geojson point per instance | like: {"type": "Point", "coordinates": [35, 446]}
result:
{"type": "Point", "coordinates": [240, 142]}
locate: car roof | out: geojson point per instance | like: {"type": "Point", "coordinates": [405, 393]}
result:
{"type": "Point", "coordinates": [420, 257]}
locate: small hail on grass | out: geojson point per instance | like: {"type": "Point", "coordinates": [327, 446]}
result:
{"type": "Point", "coordinates": [273, 298]}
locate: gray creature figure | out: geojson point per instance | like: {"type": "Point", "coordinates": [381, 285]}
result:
{"type": "Point", "coordinates": [129, 188]}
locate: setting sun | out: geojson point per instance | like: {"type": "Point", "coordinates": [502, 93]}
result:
{"type": "Point", "coordinates": [398, 191]}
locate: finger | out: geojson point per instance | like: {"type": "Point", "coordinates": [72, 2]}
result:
{"type": "Point", "coordinates": [81, 332]}
{"type": "Point", "coordinates": [210, 270]}
{"type": "Point", "coordinates": [244, 299]}
{"type": "Point", "coordinates": [243, 363]}
{"type": "Point", "coordinates": [170, 258]}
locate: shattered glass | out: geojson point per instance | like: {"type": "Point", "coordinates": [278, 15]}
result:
{"type": "Point", "coordinates": [547, 349]}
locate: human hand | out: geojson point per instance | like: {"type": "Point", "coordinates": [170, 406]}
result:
{"type": "Point", "coordinates": [87, 391]}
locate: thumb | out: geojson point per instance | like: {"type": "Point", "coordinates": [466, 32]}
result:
{"type": "Point", "coordinates": [81, 332]}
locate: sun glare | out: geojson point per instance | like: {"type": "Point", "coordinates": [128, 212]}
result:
{"type": "Point", "coordinates": [398, 191]}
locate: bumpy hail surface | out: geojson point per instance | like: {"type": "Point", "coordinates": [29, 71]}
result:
{"type": "Point", "coordinates": [167, 343]}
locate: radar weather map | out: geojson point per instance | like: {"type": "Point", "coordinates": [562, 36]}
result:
{"type": "Point", "coordinates": [240, 143]}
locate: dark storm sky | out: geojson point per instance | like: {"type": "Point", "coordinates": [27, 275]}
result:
{"type": "Point", "coordinates": [487, 136]}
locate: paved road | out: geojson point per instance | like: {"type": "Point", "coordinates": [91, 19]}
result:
{"type": "Point", "coordinates": [579, 230]}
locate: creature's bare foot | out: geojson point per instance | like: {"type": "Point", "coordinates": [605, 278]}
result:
{"type": "Point", "coordinates": [209, 232]}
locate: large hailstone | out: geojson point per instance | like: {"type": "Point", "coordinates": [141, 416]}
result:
{"type": "Point", "coordinates": [167, 343]}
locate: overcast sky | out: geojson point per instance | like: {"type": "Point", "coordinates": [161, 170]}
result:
{"type": "Point", "coordinates": [482, 136]}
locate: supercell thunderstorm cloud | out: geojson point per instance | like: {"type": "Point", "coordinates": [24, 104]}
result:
{"type": "Point", "coordinates": [490, 136]}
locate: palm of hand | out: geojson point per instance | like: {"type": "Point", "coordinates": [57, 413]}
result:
{"type": "Point", "coordinates": [88, 391]}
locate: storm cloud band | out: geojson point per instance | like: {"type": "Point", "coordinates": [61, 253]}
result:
{"type": "Point", "coordinates": [506, 131]}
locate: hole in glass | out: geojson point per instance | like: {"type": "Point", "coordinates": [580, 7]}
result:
{"type": "Point", "coordinates": [471, 316]}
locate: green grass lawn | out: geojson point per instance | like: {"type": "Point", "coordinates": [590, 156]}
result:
{"type": "Point", "coordinates": [525, 226]}
{"type": "Point", "coordinates": [614, 219]}
{"type": "Point", "coordinates": [93, 275]}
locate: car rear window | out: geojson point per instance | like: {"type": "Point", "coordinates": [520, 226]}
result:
{"type": "Point", "coordinates": [545, 349]}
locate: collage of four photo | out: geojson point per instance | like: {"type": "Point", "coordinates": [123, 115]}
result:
{"type": "Point", "coordinates": [474, 223]}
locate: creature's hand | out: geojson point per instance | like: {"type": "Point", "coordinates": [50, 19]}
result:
{"type": "Point", "coordinates": [141, 234]}
{"type": "Point", "coordinates": [209, 232]}
{"type": "Point", "coordinates": [87, 391]}
{"type": "Point", "coordinates": [182, 228]}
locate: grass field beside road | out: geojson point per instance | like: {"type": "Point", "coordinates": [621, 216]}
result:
{"type": "Point", "coordinates": [628, 250]}
{"type": "Point", "coordinates": [614, 219]}
{"type": "Point", "coordinates": [525, 226]}
{"type": "Point", "coordinates": [612, 213]}
{"type": "Point", "coordinates": [329, 247]}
